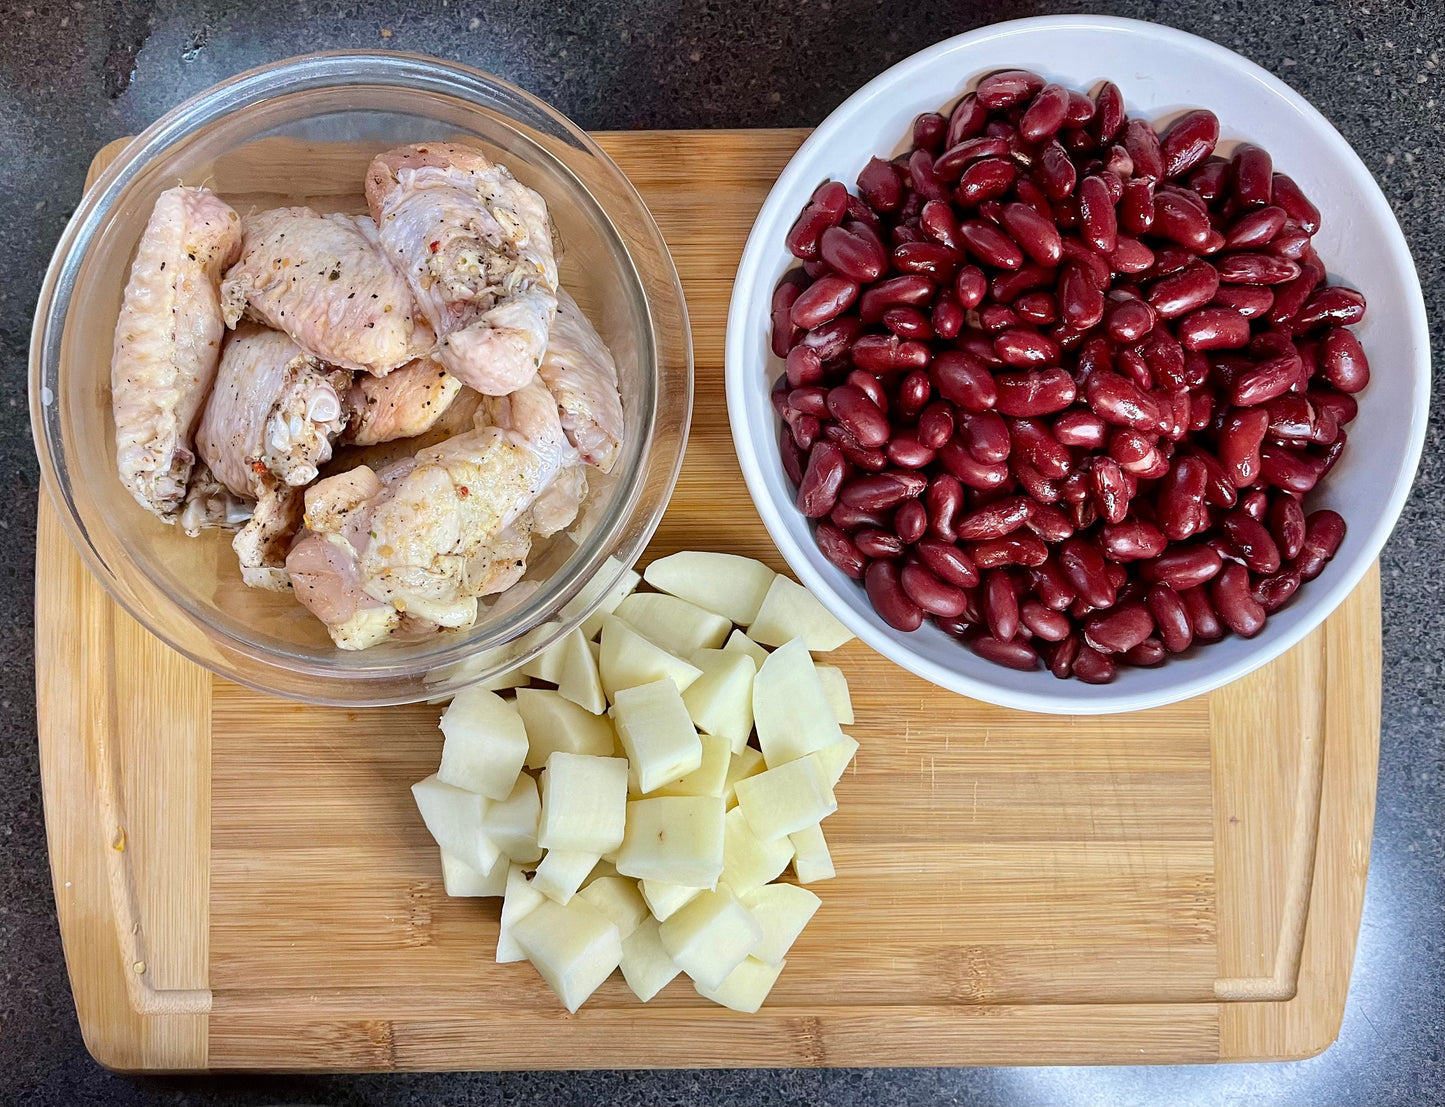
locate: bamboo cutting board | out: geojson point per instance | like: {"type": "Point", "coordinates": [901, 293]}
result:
{"type": "Point", "coordinates": [244, 883]}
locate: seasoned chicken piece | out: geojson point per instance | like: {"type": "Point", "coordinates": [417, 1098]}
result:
{"type": "Point", "coordinates": [403, 404]}
{"type": "Point", "coordinates": [267, 428]}
{"type": "Point", "coordinates": [324, 281]}
{"type": "Point", "coordinates": [209, 504]}
{"type": "Point", "coordinates": [168, 342]}
{"type": "Point", "coordinates": [579, 372]}
{"type": "Point", "coordinates": [428, 535]}
{"type": "Point", "coordinates": [476, 248]}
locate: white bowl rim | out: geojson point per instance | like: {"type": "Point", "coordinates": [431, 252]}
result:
{"type": "Point", "coordinates": [1060, 701]}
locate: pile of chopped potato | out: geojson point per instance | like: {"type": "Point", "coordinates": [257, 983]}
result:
{"type": "Point", "coordinates": [654, 832]}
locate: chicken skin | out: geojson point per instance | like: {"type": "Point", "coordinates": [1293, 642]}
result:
{"type": "Point", "coordinates": [579, 372]}
{"type": "Point", "coordinates": [267, 429]}
{"type": "Point", "coordinates": [168, 343]}
{"type": "Point", "coordinates": [475, 246]}
{"type": "Point", "coordinates": [323, 280]}
{"type": "Point", "coordinates": [422, 539]}
{"type": "Point", "coordinates": [403, 404]}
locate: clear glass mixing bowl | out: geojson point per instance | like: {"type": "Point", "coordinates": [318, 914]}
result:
{"type": "Point", "coordinates": [302, 132]}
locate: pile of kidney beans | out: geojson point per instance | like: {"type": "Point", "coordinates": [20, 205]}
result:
{"type": "Point", "coordinates": [1060, 382]}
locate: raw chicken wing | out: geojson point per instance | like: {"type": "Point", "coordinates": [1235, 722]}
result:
{"type": "Point", "coordinates": [579, 372]}
{"type": "Point", "coordinates": [323, 280]}
{"type": "Point", "coordinates": [168, 342]}
{"type": "Point", "coordinates": [476, 248]}
{"type": "Point", "coordinates": [403, 404]}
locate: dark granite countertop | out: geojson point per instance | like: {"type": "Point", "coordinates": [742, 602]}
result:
{"type": "Point", "coordinates": [75, 75]}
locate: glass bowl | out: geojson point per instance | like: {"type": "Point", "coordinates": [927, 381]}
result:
{"type": "Point", "coordinates": [302, 132]}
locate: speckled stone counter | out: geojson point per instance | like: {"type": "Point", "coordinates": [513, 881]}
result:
{"type": "Point", "coordinates": [75, 75]}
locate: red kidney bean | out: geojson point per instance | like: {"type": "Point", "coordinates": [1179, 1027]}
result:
{"type": "Point", "coordinates": [907, 452]}
{"type": "Point", "coordinates": [839, 549]}
{"type": "Point", "coordinates": [1080, 428]}
{"type": "Point", "coordinates": [925, 182]}
{"type": "Point", "coordinates": [1179, 293]}
{"type": "Point", "coordinates": [1210, 180]}
{"type": "Point", "coordinates": [969, 470]}
{"type": "Point", "coordinates": [1181, 499]}
{"type": "Point", "coordinates": [851, 255]}
{"type": "Point", "coordinates": [878, 543]}
{"type": "Point", "coordinates": [970, 286]}
{"type": "Point", "coordinates": [1036, 234]}
{"type": "Point", "coordinates": [1130, 320]}
{"type": "Point", "coordinates": [852, 519]}
{"type": "Point", "coordinates": [910, 521]}
{"type": "Point", "coordinates": [1255, 228]}
{"type": "Point", "coordinates": [1189, 140]}
{"type": "Point", "coordinates": [952, 162]}
{"type": "Point", "coordinates": [914, 392]}
{"type": "Point", "coordinates": [804, 367]}
{"type": "Point", "coordinates": [810, 400]}
{"type": "Point", "coordinates": [1288, 195]}
{"type": "Point", "coordinates": [996, 520]}
{"type": "Point", "coordinates": [1007, 87]}
{"type": "Point", "coordinates": [1081, 110]}
{"type": "Point", "coordinates": [1203, 620]}
{"type": "Point", "coordinates": [1274, 591]}
{"type": "Point", "coordinates": [1147, 653]}
{"type": "Point", "coordinates": [862, 418]}
{"type": "Point", "coordinates": [1120, 629]}
{"type": "Point", "coordinates": [1097, 221]}
{"type": "Point", "coordinates": [1292, 242]}
{"type": "Point", "coordinates": [943, 500]}
{"type": "Point", "coordinates": [1324, 531]}
{"type": "Point", "coordinates": [930, 593]}
{"type": "Point", "coordinates": [990, 244]}
{"type": "Point", "coordinates": [1266, 380]}
{"type": "Point", "coordinates": [805, 428]}
{"type": "Point", "coordinates": [1061, 657]}
{"type": "Point", "coordinates": [948, 316]}
{"type": "Point", "coordinates": [1218, 482]}
{"type": "Point", "coordinates": [1052, 586]}
{"type": "Point", "coordinates": [911, 288]}
{"type": "Point", "coordinates": [1290, 298]}
{"type": "Point", "coordinates": [1110, 489]}
{"type": "Point", "coordinates": [869, 458]}
{"type": "Point", "coordinates": [1143, 146]}
{"type": "Point", "coordinates": [882, 490]}
{"type": "Point", "coordinates": [824, 210]}
{"type": "Point", "coordinates": [792, 456]}
{"type": "Point", "coordinates": [1171, 618]}
{"type": "Point", "coordinates": [929, 130]}
{"type": "Point", "coordinates": [1249, 268]}
{"type": "Point", "coordinates": [1036, 391]}
{"type": "Point", "coordinates": [1118, 401]}
{"type": "Point", "coordinates": [1026, 349]}
{"type": "Point", "coordinates": [1250, 301]}
{"type": "Point", "coordinates": [1230, 596]}
{"type": "Point", "coordinates": [880, 185]}
{"type": "Point", "coordinates": [885, 593]}
{"type": "Point", "coordinates": [1182, 566]}
{"type": "Point", "coordinates": [878, 353]}
{"type": "Point", "coordinates": [1132, 540]}
{"type": "Point", "coordinates": [871, 386]}
{"type": "Point", "coordinates": [1287, 525]}
{"type": "Point", "coordinates": [1253, 171]}
{"type": "Point", "coordinates": [825, 299]}
{"type": "Point", "coordinates": [784, 334]}
{"type": "Point", "coordinates": [1343, 360]}
{"type": "Point", "coordinates": [1287, 469]}
{"type": "Point", "coordinates": [1030, 441]}
{"type": "Point", "coordinates": [964, 380]}
{"type": "Point", "coordinates": [985, 435]}
{"type": "Point", "coordinates": [1012, 654]}
{"type": "Point", "coordinates": [968, 119]}
{"type": "Point", "coordinates": [1213, 328]}
{"type": "Point", "coordinates": [1255, 503]}
{"type": "Point", "coordinates": [984, 180]}
{"type": "Point", "coordinates": [948, 563]}
{"type": "Point", "coordinates": [1093, 667]}
{"type": "Point", "coordinates": [1044, 622]}
{"type": "Point", "coordinates": [1037, 308]}
{"type": "Point", "coordinates": [1000, 604]}
{"type": "Point", "coordinates": [1131, 256]}
{"type": "Point", "coordinates": [995, 319]}
{"type": "Point", "coordinates": [1045, 115]}
{"type": "Point", "coordinates": [1257, 548]}
{"type": "Point", "coordinates": [1179, 221]}
{"type": "Point", "coordinates": [1015, 549]}
{"type": "Point", "coordinates": [937, 222]}
{"type": "Point", "coordinates": [1084, 568]}
{"type": "Point", "coordinates": [935, 425]}
{"type": "Point", "coordinates": [1046, 520]}
{"type": "Point", "coordinates": [1081, 304]}
{"type": "Point", "coordinates": [832, 340]}
{"type": "Point", "coordinates": [1239, 444]}
{"type": "Point", "coordinates": [908, 323]}
{"type": "Point", "coordinates": [1054, 172]}
{"type": "Point", "coordinates": [1136, 206]}
{"type": "Point", "coordinates": [929, 259]}
{"type": "Point", "coordinates": [1108, 114]}
{"type": "Point", "coordinates": [1128, 446]}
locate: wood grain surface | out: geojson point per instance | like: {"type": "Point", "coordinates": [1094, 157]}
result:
{"type": "Point", "coordinates": [244, 883]}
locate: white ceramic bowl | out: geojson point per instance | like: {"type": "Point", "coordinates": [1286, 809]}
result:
{"type": "Point", "coordinates": [1161, 72]}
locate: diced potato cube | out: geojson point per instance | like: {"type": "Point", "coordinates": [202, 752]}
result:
{"type": "Point", "coordinates": [748, 861]}
{"type": "Point", "coordinates": [786, 799]}
{"type": "Point", "coordinates": [707, 779]}
{"type": "Point", "coordinates": [811, 860]}
{"type": "Point", "coordinates": [792, 714]}
{"type": "Point", "coordinates": [610, 597]}
{"type": "Point", "coordinates": [578, 679]}
{"type": "Point", "coordinates": [836, 758]}
{"type": "Point", "coordinates": [460, 879]}
{"type": "Point", "coordinates": [745, 763]}
{"type": "Point", "coordinates": [645, 964]}
{"type": "Point", "coordinates": [603, 868]}
{"type": "Point", "coordinates": [547, 665]}
{"type": "Point", "coordinates": [678, 839]}
{"type": "Point", "coordinates": [628, 660]}
{"type": "Point", "coordinates": [743, 644]}
{"type": "Point", "coordinates": [562, 872]}
{"type": "Point", "coordinates": [454, 818]}
{"type": "Point", "coordinates": [728, 584]}
{"type": "Point", "coordinates": [517, 902]}
{"type": "Point", "coordinates": [835, 688]}
{"type": "Point", "coordinates": [655, 730]}
{"type": "Point", "coordinates": [745, 988]}
{"type": "Point", "coordinates": [616, 897]}
{"type": "Point", "coordinates": [721, 700]}
{"type": "Point", "coordinates": [790, 611]}
{"type": "Point", "coordinates": [512, 822]}
{"type": "Point", "coordinates": [709, 936]}
{"type": "Point", "coordinates": [575, 948]}
{"type": "Point", "coordinates": [663, 899]}
{"type": "Point", "coordinates": [782, 910]}
{"type": "Point", "coordinates": [584, 803]}
{"type": "Point", "coordinates": [679, 627]}
{"type": "Point", "coordinates": [556, 723]}
{"type": "Point", "coordinates": [485, 744]}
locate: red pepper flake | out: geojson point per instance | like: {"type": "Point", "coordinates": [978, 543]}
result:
{"type": "Point", "coordinates": [435, 246]}
{"type": "Point", "coordinates": [463, 492]}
